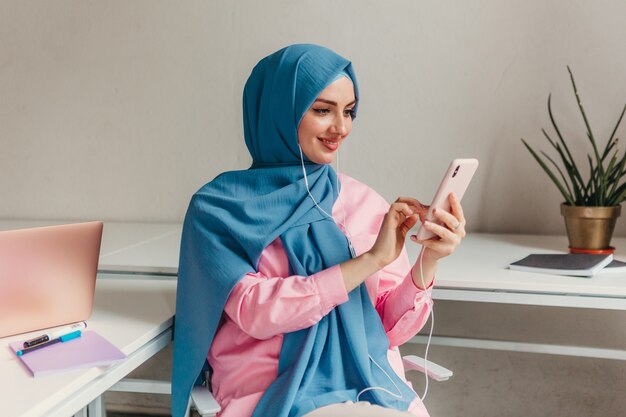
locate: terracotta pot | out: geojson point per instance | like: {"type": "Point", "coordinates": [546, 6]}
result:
{"type": "Point", "coordinates": [590, 227]}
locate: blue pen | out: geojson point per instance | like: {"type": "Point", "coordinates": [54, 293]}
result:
{"type": "Point", "coordinates": [55, 334]}
{"type": "Point", "coordinates": [62, 339]}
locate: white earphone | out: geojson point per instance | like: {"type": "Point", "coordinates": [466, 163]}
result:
{"type": "Point", "coordinates": [353, 253]}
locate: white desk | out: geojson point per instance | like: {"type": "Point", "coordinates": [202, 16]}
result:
{"type": "Point", "coordinates": [477, 271]}
{"type": "Point", "coordinates": [133, 314]}
{"type": "Point", "coordinates": [140, 248]}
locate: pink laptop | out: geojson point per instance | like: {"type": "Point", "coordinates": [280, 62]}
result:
{"type": "Point", "coordinates": [47, 276]}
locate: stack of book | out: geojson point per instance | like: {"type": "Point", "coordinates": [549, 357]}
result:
{"type": "Point", "coordinates": [575, 264]}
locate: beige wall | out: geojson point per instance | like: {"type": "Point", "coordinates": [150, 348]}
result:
{"type": "Point", "coordinates": [120, 110]}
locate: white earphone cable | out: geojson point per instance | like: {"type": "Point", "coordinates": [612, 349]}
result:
{"type": "Point", "coordinates": [343, 223]}
{"type": "Point", "coordinates": [353, 253]}
{"type": "Point", "coordinates": [432, 325]}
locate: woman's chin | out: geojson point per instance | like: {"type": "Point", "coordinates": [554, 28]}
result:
{"type": "Point", "coordinates": [324, 159]}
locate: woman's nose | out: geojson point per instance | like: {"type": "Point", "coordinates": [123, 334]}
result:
{"type": "Point", "coordinates": [339, 126]}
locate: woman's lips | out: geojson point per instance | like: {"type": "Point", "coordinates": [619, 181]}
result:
{"type": "Point", "coordinates": [330, 144]}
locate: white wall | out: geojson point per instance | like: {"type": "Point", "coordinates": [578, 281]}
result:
{"type": "Point", "coordinates": [121, 110]}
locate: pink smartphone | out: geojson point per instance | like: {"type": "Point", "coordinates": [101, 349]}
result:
{"type": "Point", "coordinates": [457, 178]}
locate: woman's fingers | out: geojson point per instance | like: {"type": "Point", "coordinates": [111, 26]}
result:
{"type": "Point", "coordinates": [441, 248]}
{"type": "Point", "coordinates": [409, 223]}
{"type": "Point", "coordinates": [415, 205]}
{"type": "Point", "coordinates": [453, 220]}
{"type": "Point", "coordinates": [396, 224]}
{"type": "Point", "coordinates": [450, 232]}
{"type": "Point", "coordinates": [442, 231]}
{"type": "Point", "coordinates": [403, 215]}
{"type": "Point", "coordinates": [405, 218]}
{"type": "Point", "coordinates": [400, 211]}
{"type": "Point", "coordinates": [452, 223]}
{"type": "Point", "coordinates": [456, 208]}
{"type": "Point", "coordinates": [446, 243]}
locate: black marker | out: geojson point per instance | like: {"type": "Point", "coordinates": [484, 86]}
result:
{"type": "Point", "coordinates": [64, 338]}
{"type": "Point", "coordinates": [55, 334]}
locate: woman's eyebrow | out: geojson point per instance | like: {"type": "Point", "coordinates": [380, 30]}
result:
{"type": "Point", "coordinates": [334, 103]}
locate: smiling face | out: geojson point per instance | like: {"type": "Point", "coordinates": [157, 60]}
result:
{"type": "Point", "coordinates": [327, 122]}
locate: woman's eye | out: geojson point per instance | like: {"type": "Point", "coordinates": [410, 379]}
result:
{"type": "Point", "coordinates": [348, 112]}
{"type": "Point", "coordinates": [321, 111]}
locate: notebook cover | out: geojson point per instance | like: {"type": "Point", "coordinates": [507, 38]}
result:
{"type": "Point", "coordinates": [615, 266]}
{"type": "Point", "coordinates": [87, 351]}
{"type": "Point", "coordinates": [564, 264]}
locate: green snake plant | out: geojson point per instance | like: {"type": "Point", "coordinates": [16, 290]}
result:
{"type": "Point", "coordinates": [605, 185]}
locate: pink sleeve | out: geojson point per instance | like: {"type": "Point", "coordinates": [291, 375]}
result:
{"type": "Point", "coordinates": [265, 306]}
{"type": "Point", "coordinates": [403, 308]}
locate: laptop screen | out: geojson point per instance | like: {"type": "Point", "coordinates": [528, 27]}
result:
{"type": "Point", "coordinates": [47, 276]}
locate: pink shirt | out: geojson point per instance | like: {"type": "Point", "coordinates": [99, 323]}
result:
{"type": "Point", "coordinates": [265, 305]}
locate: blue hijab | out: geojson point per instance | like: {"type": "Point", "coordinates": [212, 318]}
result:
{"type": "Point", "coordinates": [233, 218]}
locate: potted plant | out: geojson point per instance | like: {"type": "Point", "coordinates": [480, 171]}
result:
{"type": "Point", "coordinates": [591, 205]}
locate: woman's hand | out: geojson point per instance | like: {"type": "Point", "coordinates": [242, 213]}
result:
{"type": "Point", "coordinates": [402, 216]}
{"type": "Point", "coordinates": [448, 237]}
{"type": "Point", "coordinates": [449, 234]}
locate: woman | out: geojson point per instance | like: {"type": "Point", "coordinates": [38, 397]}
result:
{"type": "Point", "coordinates": [293, 281]}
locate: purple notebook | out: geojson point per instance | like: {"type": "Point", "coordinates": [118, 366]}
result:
{"type": "Point", "coordinates": [87, 351]}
